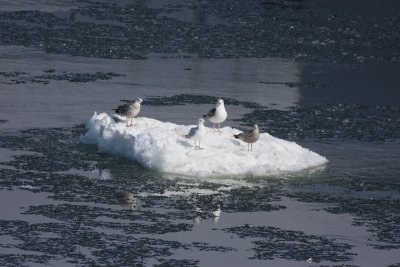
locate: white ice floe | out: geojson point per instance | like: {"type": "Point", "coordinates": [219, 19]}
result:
{"type": "Point", "coordinates": [162, 146]}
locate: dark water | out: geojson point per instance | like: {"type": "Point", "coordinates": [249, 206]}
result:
{"type": "Point", "coordinates": [64, 204]}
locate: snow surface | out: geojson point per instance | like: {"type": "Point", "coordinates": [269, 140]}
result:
{"type": "Point", "coordinates": [162, 146]}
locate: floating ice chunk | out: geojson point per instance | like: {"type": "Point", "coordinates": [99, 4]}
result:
{"type": "Point", "coordinates": [162, 146]}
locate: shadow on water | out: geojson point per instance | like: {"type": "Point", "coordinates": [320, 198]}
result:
{"type": "Point", "coordinates": [362, 84]}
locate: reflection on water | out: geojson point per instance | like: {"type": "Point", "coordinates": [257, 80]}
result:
{"type": "Point", "coordinates": [69, 103]}
{"type": "Point", "coordinates": [235, 78]}
{"type": "Point", "coordinates": [273, 83]}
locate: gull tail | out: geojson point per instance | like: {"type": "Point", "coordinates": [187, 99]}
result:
{"type": "Point", "coordinates": [236, 136]}
{"type": "Point", "coordinates": [204, 116]}
{"type": "Point", "coordinates": [181, 132]}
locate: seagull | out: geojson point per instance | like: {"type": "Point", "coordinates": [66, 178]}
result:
{"type": "Point", "coordinates": [217, 212]}
{"type": "Point", "coordinates": [129, 110]}
{"type": "Point", "coordinates": [129, 198]}
{"type": "Point", "coordinates": [249, 137]}
{"type": "Point", "coordinates": [309, 260]}
{"type": "Point", "coordinates": [198, 210]}
{"type": "Point", "coordinates": [217, 115]}
{"type": "Point", "coordinates": [197, 133]}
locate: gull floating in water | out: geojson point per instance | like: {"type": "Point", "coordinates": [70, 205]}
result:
{"type": "Point", "coordinates": [129, 198]}
{"type": "Point", "coordinates": [218, 114]}
{"type": "Point", "coordinates": [197, 133]}
{"type": "Point", "coordinates": [129, 110]}
{"type": "Point", "coordinates": [249, 137]}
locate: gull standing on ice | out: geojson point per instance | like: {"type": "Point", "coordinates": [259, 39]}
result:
{"type": "Point", "coordinates": [197, 133]}
{"type": "Point", "coordinates": [249, 137]}
{"type": "Point", "coordinates": [218, 114]}
{"type": "Point", "coordinates": [129, 110]}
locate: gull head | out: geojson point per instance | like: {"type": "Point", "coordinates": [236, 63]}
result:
{"type": "Point", "coordinates": [220, 102]}
{"type": "Point", "coordinates": [201, 121]}
{"type": "Point", "coordinates": [255, 127]}
{"type": "Point", "coordinates": [138, 100]}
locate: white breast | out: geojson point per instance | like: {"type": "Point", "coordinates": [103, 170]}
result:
{"type": "Point", "coordinates": [220, 115]}
{"type": "Point", "coordinates": [200, 133]}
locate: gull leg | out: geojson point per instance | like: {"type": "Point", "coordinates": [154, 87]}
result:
{"type": "Point", "coordinates": [126, 121]}
{"type": "Point", "coordinates": [200, 146]}
{"type": "Point", "coordinates": [219, 127]}
{"type": "Point", "coordinates": [251, 145]}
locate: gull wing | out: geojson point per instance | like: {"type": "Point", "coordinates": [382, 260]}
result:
{"type": "Point", "coordinates": [210, 113]}
{"type": "Point", "coordinates": [122, 109]}
{"type": "Point", "coordinates": [192, 132]}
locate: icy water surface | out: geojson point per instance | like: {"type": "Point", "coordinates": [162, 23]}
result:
{"type": "Point", "coordinates": [64, 204]}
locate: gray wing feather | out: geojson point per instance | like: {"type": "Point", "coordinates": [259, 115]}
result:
{"type": "Point", "coordinates": [210, 113]}
{"type": "Point", "coordinates": [248, 137]}
{"type": "Point", "coordinates": [122, 109]}
{"type": "Point", "coordinates": [191, 132]}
